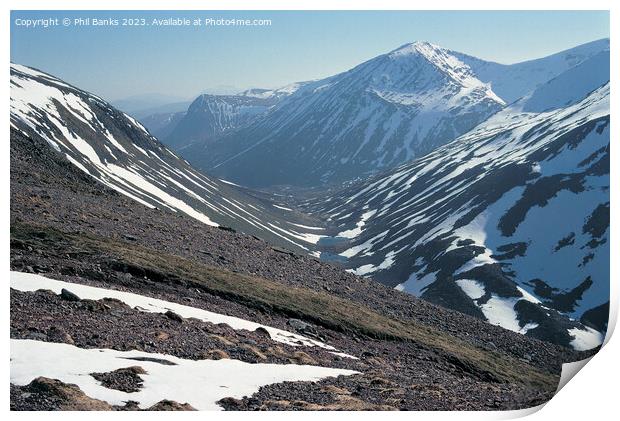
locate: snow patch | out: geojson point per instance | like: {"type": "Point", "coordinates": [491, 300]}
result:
{"type": "Point", "coordinates": [473, 289]}
{"type": "Point", "coordinates": [199, 383]}
{"type": "Point", "coordinates": [32, 282]}
{"type": "Point", "coordinates": [354, 232]}
{"type": "Point", "coordinates": [584, 339]}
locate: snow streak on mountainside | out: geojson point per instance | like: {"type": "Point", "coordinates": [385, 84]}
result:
{"type": "Point", "coordinates": [512, 81]}
{"type": "Point", "coordinates": [31, 282]}
{"type": "Point", "coordinates": [377, 115]}
{"type": "Point", "coordinates": [119, 152]}
{"type": "Point", "coordinates": [273, 94]}
{"type": "Point", "coordinates": [510, 222]}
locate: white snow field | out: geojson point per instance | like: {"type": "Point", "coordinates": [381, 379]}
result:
{"type": "Point", "coordinates": [199, 383]}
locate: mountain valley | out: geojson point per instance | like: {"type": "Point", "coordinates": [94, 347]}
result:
{"type": "Point", "coordinates": [426, 231]}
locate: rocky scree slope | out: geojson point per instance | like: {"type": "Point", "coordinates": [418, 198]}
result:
{"type": "Point", "coordinates": [412, 355]}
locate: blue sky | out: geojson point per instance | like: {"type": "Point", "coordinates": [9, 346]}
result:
{"type": "Point", "coordinates": [119, 62]}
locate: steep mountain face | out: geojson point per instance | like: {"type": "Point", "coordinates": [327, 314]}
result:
{"type": "Point", "coordinates": [119, 152]}
{"type": "Point", "coordinates": [209, 117]}
{"type": "Point", "coordinates": [380, 114]}
{"type": "Point", "coordinates": [159, 120]}
{"type": "Point", "coordinates": [509, 223]}
{"type": "Point", "coordinates": [512, 81]}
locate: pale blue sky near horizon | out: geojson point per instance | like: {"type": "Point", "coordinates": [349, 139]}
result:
{"type": "Point", "coordinates": [121, 62]}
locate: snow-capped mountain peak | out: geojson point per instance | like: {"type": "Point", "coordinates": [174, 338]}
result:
{"type": "Point", "coordinates": [447, 63]}
{"type": "Point", "coordinates": [417, 47]}
{"type": "Point", "coordinates": [376, 115]}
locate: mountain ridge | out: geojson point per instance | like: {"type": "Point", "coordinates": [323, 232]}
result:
{"type": "Point", "coordinates": [119, 152]}
{"type": "Point", "coordinates": [381, 101]}
{"type": "Point", "coordinates": [393, 108]}
{"type": "Point", "coordinates": [531, 73]}
{"type": "Point", "coordinates": [422, 226]}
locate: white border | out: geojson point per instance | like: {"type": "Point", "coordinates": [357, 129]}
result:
{"type": "Point", "coordinates": [590, 396]}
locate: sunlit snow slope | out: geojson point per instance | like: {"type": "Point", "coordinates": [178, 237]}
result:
{"type": "Point", "coordinates": [510, 222]}
{"type": "Point", "coordinates": [119, 152]}
{"type": "Point", "coordinates": [380, 114]}
{"type": "Point", "coordinates": [512, 81]}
